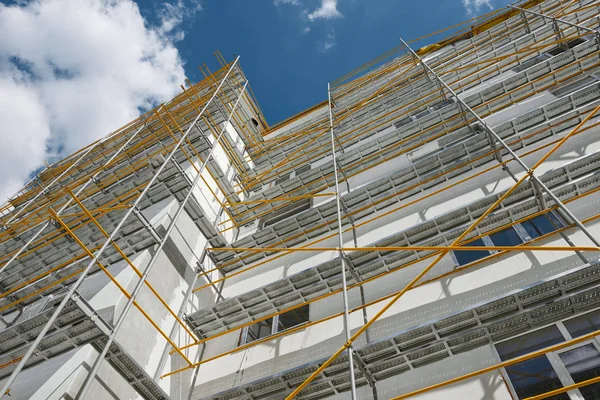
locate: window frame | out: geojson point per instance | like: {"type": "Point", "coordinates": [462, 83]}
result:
{"type": "Point", "coordinates": [521, 232]}
{"type": "Point", "coordinates": [243, 336]}
{"type": "Point", "coordinates": [553, 357]}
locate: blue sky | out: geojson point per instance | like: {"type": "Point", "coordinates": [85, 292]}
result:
{"type": "Point", "coordinates": [285, 55]}
{"type": "Point", "coordinates": [72, 71]}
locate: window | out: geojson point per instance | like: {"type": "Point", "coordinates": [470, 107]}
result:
{"type": "Point", "coordinates": [558, 369]}
{"type": "Point", "coordinates": [506, 237]}
{"type": "Point", "coordinates": [260, 330]}
{"type": "Point", "coordinates": [535, 376]}
{"type": "Point", "coordinates": [583, 324]}
{"type": "Point", "coordinates": [530, 342]}
{"type": "Point", "coordinates": [541, 225]}
{"type": "Point", "coordinates": [569, 45]}
{"type": "Point", "coordinates": [292, 318]}
{"type": "Point", "coordinates": [301, 170]}
{"type": "Point", "coordinates": [534, 227]}
{"type": "Point", "coordinates": [271, 326]}
{"type": "Point", "coordinates": [464, 257]}
{"type": "Point", "coordinates": [583, 363]}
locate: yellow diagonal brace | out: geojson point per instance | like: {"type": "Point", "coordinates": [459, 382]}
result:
{"type": "Point", "coordinates": [363, 328]}
{"type": "Point", "coordinates": [131, 264]}
{"type": "Point", "coordinates": [113, 279]}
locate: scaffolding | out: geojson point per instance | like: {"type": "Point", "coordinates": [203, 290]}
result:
{"type": "Point", "coordinates": [293, 187]}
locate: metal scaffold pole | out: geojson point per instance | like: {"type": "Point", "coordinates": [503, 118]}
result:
{"type": "Point", "coordinates": [70, 200]}
{"type": "Point", "coordinates": [75, 286]}
{"type": "Point", "coordinates": [152, 262]}
{"type": "Point", "coordinates": [33, 347]}
{"type": "Point", "coordinates": [341, 251]}
{"type": "Point", "coordinates": [555, 19]}
{"type": "Point", "coordinates": [532, 175]}
{"type": "Point", "coordinates": [44, 190]}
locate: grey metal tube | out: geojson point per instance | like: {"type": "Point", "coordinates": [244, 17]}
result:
{"type": "Point", "coordinates": [189, 292]}
{"type": "Point", "coordinates": [518, 159]}
{"type": "Point", "coordinates": [53, 182]}
{"type": "Point", "coordinates": [562, 21]}
{"type": "Point", "coordinates": [70, 200]}
{"type": "Point", "coordinates": [152, 261]}
{"type": "Point", "coordinates": [109, 240]}
{"type": "Point", "coordinates": [67, 297]}
{"type": "Point", "coordinates": [341, 246]}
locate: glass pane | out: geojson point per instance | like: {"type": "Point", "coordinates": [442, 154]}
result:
{"type": "Point", "coordinates": [583, 363]}
{"type": "Point", "coordinates": [293, 318]}
{"type": "Point", "coordinates": [468, 256]}
{"type": "Point", "coordinates": [530, 228]}
{"type": "Point", "coordinates": [540, 225]}
{"type": "Point", "coordinates": [506, 237]}
{"type": "Point", "coordinates": [583, 324]}
{"type": "Point", "coordinates": [530, 342]}
{"type": "Point", "coordinates": [543, 224]}
{"type": "Point", "coordinates": [533, 377]}
{"type": "Point", "coordinates": [259, 330]}
{"type": "Point", "coordinates": [555, 221]}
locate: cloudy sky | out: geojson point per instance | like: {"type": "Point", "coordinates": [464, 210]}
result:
{"type": "Point", "coordinates": [72, 71]}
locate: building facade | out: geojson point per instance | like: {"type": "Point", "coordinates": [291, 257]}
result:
{"type": "Point", "coordinates": [430, 231]}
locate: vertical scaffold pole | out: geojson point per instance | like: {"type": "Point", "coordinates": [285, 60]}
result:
{"type": "Point", "coordinates": [557, 20]}
{"type": "Point", "coordinates": [514, 155]}
{"type": "Point", "coordinates": [189, 292]}
{"type": "Point", "coordinates": [85, 272]}
{"type": "Point", "coordinates": [70, 200]}
{"type": "Point", "coordinates": [90, 378]}
{"type": "Point", "coordinates": [53, 182]}
{"type": "Point", "coordinates": [75, 286]}
{"type": "Point", "coordinates": [341, 251]}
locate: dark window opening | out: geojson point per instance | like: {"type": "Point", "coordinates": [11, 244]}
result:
{"type": "Point", "coordinates": [260, 330]}
{"type": "Point", "coordinates": [254, 121]}
{"type": "Point", "coordinates": [535, 376]}
{"type": "Point", "coordinates": [283, 321]}
{"type": "Point", "coordinates": [541, 225]}
{"type": "Point", "coordinates": [583, 324]}
{"type": "Point", "coordinates": [506, 237]}
{"type": "Point", "coordinates": [529, 342]}
{"type": "Point", "coordinates": [569, 45]}
{"type": "Point", "coordinates": [583, 363]}
{"type": "Point", "coordinates": [464, 257]}
{"type": "Point", "coordinates": [293, 318]}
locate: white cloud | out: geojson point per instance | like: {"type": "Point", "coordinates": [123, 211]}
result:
{"type": "Point", "coordinates": [172, 15]}
{"type": "Point", "coordinates": [327, 44]}
{"type": "Point", "coordinates": [474, 6]}
{"type": "Point", "coordinates": [71, 71]}
{"type": "Point", "coordinates": [326, 10]}
{"type": "Point", "coordinates": [306, 30]}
